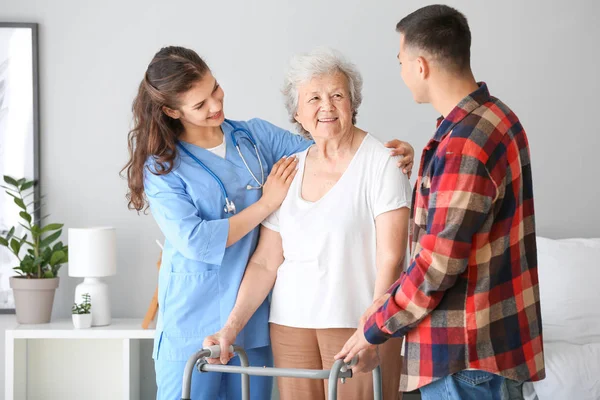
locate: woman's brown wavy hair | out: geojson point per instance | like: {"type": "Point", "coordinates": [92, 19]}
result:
{"type": "Point", "coordinates": [172, 72]}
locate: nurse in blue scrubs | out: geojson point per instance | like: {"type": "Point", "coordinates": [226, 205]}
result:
{"type": "Point", "coordinates": [209, 182]}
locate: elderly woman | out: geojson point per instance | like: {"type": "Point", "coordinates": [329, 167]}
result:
{"type": "Point", "coordinates": [336, 243]}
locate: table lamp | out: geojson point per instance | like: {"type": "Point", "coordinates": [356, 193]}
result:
{"type": "Point", "coordinates": [93, 255]}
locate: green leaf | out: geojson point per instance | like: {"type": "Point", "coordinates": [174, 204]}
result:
{"type": "Point", "coordinates": [25, 216]}
{"type": "Point", "coordinates": [35, 230]}
{"type": "Point", "coordinates": [15, 245]}
{"type": "Point", "coordinates": [12, 195]}
{"type": "Point", "coordinates": [26, 266]}
{"type": "Point", "coordinates": [47, 253]}
{"type": "Point", "coordinates": [48, 274]}
{"type": "Point", "coordinates": [11, 181]}
{"type": "Point", "coordinates": [10, 233]}
{"type": "Point", "coordinates": [52, 227]}
{"type": "Point", "coordinates": [25, 226]}
{"type": "Point", "coordinates": [20, 203]}
{"type": "Point", "coordinates": [3, 242]}
{"type": "Point", "coordinates": [47, 240]}
{"type": "Point", "coordinates": [27, 185]}
{"type": "Point", "coordinates": [27, 262]}
{"type": "Point", "coordinates": [9, 188]}
{"type": "Point", "coordinates": [57, 257]}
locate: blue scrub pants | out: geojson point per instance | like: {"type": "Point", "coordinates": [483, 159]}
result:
{"type": "Point", "coordinates": [214, 385]}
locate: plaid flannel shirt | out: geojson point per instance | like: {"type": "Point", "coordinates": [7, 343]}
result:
{"type": "Point", "coordinates": [469, 298]}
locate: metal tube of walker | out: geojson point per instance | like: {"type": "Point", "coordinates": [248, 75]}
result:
{"type": "Point", "coordinates": [214, 352]}
{"type": "Point", "coordinates": [275, 372]}
{"type": "Point", "coordinates": [334, 375]}
{"type": "Point", "coordinates": [377, 384]}
{"type": "Point", "coordinates": [338, 369]}
{"type": "Point", "coordinates": [245, 377]}
{"type": "Point", "coordinates": [187, 373]}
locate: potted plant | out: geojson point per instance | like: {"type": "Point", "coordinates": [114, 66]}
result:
{"type": "Point", "coordinates": [82, 315]}
{"type": "Point", "coordinates": [39, 256]}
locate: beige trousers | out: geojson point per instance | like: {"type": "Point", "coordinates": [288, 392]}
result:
{"type": "Point", "coordinates": [315, 349]}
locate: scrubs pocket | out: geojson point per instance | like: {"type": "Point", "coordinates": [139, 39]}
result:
{"type": "Point", "coordinates": [192, 304]}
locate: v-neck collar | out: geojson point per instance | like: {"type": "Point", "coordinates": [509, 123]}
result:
{"type": "Point", "coordinates": [303, 167]}
{"type": "Point", "coordinates": [208, 156]}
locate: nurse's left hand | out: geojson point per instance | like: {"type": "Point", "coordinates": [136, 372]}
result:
{"type": "Point", "coordinates": [224, 338]}
{"type": "Point", "coordinates": [400, 148]}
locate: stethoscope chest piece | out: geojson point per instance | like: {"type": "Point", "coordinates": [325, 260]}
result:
{"type": "Point", "coordinates": [229, 206]}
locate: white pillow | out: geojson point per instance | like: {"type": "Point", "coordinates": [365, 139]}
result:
{"type": "Point", "coordinates": [572, 372]}
{"type": "Point", "coordinates": [569, 275]}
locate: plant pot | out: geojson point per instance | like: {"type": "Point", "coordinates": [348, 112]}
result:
{"type": "Point", "coordinates": [82, 321]}
{"type": "Point", "coordinates": [33, 299]}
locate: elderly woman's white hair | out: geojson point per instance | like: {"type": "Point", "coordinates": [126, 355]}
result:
{"type": "Point", "coordinates": [319, 62]}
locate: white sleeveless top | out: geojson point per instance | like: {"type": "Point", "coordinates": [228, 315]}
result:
{"type": "Point", "coordinates": [327, 279]}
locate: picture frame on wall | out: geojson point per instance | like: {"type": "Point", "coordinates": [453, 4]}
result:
{"type": "Point", "coordinates": [19, 133]}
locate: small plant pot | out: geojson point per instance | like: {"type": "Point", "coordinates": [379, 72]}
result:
{"type": "Point", "coordinates": [82, 321]}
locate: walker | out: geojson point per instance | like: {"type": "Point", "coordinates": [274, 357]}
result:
{"type": "Point", "coordinates": [339, 370]}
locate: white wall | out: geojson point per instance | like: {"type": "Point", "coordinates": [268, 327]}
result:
{"type": "Point", "coordinates": [540, 58]}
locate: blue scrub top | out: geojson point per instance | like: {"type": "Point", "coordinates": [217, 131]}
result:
{"type": "Point", "coordinates": [199, 278]}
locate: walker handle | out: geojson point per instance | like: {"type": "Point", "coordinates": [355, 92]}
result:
{"type": "Point", "coordinates": [349, 365]}
{"type": "Point", "coordinates": [215, 351]}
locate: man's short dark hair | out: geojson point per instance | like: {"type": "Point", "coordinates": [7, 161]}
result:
{"type": "Point", "coordinates": [441, 31]}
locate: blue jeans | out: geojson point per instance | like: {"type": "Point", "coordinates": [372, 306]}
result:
{"type": "Point", "coordinates": [473, 385]}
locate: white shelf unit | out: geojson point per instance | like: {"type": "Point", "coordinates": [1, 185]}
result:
{"type": "Point", "coordinates": [56, 361]}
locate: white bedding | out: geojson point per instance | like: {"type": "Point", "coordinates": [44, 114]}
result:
{"type": "Point", "coordinates": [569, 274]}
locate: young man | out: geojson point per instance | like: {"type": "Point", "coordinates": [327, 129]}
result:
{"type": "Point", "coordinates": [469, 301]}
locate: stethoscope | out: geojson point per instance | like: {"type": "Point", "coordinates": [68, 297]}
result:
{"type": "Point", "coordinates": [229, 204]}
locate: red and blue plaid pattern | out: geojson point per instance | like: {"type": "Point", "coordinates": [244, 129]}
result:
{"type": "Point", "coordinates": [470, 296]}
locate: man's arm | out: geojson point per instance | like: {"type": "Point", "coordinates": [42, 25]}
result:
{"type": "Point", "coordinates": [461, 197]}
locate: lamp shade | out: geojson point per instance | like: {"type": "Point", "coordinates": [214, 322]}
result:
{"type": "Point", "coordinates": [92, 252]}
